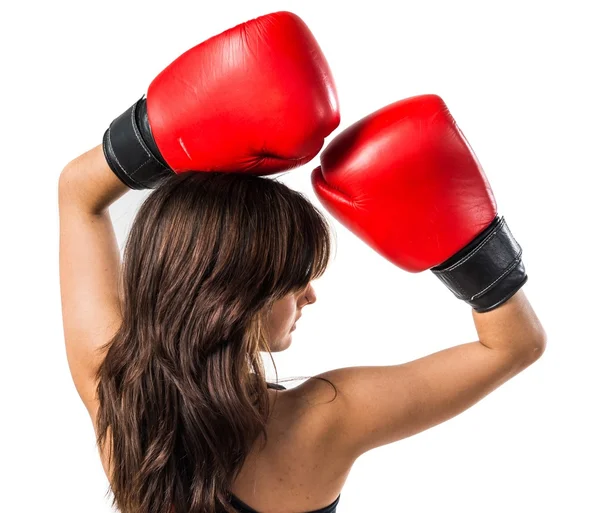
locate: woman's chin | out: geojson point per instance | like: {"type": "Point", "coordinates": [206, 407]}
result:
{"type": "Point", "coordinates": [285, 343]}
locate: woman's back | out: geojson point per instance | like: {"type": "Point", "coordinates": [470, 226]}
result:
{"type": "Point", "coordinates": [296, 468]}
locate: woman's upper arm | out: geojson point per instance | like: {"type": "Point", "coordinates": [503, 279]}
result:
{"type": "Point", "coordinates": [89, 262]}
{"type": "Point", "coordinates": [378, 405]}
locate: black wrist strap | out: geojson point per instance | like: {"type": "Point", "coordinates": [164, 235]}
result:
{"type": "Point", "coordinates": [488, 271]}
{"type": "Point", "coordinates": [131, 152]}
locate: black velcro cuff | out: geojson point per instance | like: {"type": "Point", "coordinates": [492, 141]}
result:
{"type": "Point", "coordinates": [488, 271]}
{"type": "Point", "coordinates": [129, 156]}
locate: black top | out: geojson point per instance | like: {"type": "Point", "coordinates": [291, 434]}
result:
{"type": "Point", "coordinates": [244, 508]}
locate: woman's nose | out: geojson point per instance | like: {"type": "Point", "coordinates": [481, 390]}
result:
{"type": "Point", "coordinates": [309, 295]}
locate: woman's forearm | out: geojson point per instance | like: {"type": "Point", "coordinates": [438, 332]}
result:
{"type": "Point", "coordinates": [90, 182]}
{"type": "Point", "coordinates": [512, 327]}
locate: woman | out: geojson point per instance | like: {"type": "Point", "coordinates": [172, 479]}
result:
{"type": "Point", "coordinates": [165, 350]}
{"type": "Point", "coordinates": [218, 268]}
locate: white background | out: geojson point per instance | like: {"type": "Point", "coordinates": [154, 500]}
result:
{"type": "Point", "coordinates": [521, 80]}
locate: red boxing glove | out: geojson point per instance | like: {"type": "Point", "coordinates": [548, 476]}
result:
{"type": "Point", "coordinates": [405, 180]}
{"type": "Point", "coordinates": [258, 98]}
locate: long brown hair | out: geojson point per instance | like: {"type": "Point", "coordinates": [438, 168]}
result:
{"type": "Point", "coordinates": [182, 389]}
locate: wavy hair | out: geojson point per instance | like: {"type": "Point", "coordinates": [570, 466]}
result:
{"type": "Point", "coordinates": [182, 389]}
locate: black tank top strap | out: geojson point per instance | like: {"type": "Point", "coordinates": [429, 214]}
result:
{"type": "Point", "coordinates": [242, 507]}
{"type": "Point", "coordinates": [275, 386]}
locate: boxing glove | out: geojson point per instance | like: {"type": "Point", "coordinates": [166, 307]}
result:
{"type": "Point", "coordinates": [405, 180]}
{"type": "Point", "coordinates": [257, 98]}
